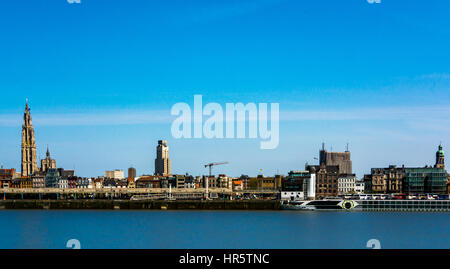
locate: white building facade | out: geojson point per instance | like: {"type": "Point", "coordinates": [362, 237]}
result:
{"type": "Point", "coordinates": [346, 184]}
{"type": "Point", "coordinates": [359, 187]}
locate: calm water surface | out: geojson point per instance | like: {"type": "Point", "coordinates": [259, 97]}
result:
{"type": "Point", "coordinates": [222, 229]}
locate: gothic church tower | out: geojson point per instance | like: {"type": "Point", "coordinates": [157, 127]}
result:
{"type": "Point", "coordinates": [29, 161]}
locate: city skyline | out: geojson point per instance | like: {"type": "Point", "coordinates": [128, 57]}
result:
{"type": "Point", "coordinates": [164, 168]}
{"type": "Point", "coordinates": [102, 77]}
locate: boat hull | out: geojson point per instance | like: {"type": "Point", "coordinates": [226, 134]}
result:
{"type": "Point", "coordinates": [371, 205]}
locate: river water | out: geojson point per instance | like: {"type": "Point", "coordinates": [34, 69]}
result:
{"type": "Point", "coordinates": [222, 229]}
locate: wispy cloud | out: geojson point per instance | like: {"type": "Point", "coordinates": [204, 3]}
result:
{"type": "Point", "coordinates": [422, 115]}
{"type": "Point", "coordinates": [382, 113]}
{"type": "Point", "coordinates": [91, 118]}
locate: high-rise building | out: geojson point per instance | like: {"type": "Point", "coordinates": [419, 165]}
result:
{"type": "Point", "coordinates": [48, 162]}
{"type": "Point", "coordinates": [341, 159]}
{"type": "Point", "coordinates": [29, 161]}
{"type": "Point", "coordinates": [440, 163]}
{"type": "Point", "coordinates": [131, 174]}
{"type": "Point", "coordinates": [162, 161]}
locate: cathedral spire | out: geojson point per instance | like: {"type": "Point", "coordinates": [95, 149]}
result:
{"type": "Point", "coordinates": [29, 161]}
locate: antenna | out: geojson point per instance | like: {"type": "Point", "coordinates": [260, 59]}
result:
{"type": "Point", "coordinates": [346, 149]}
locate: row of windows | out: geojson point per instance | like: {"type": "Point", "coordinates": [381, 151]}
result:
{"type": "Point", "coordinates": [404, 202]}
{"type": "Point", "coordinates": [407, 206]}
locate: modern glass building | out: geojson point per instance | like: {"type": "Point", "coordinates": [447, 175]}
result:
{"type": "Point", "coordinates": [52, 178]}
{"type": "Point", "coordinates": [425, 180]}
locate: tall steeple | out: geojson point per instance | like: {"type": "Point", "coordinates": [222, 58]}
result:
{"type": "Point", "coordinates": [440, 158]}
{"type": "Point", "coordinates": [29, 161]}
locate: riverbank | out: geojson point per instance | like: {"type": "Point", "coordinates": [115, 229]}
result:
{"type": "Point", "coordinates": [146, 205]}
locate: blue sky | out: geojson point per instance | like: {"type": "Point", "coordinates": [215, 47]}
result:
{"type": "Point", "coordinates": [101, 77]}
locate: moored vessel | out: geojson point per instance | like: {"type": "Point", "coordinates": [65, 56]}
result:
{"type": "Point", "coordinates": [369, 205]}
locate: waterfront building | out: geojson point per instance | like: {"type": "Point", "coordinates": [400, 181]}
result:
{"type": "Point", "coordinates": [131, 174]}
{"type": "Point", "coordinates": [245, 180]}
{"type": "Point", "coordinates": [326, 179]}
{"type": "Point", "coordinates": [48, 162]}
{"type": "Point", "coordinates": [66, 173]}
{"type": "Point", "coordinates": [22, 183]}
{"type": "Point", "coordinates": [5, 183]}
{"type": "Point", "coordinates": [15, 183]}
{"type": "Point", "coordinates": [425, 180]}
{"type": "Point", "coordinates": [38, 181]}
{"type": "Point", "coordinates": [72, 182]}
{"type": "Point", "coordinates": [189, 182]}
{"type": "Point", "coordinates": [224, 182]}
{"type": "Point", "coordinates": [341, 159]}
{"type": "Point", "coordinates": [385, 180]}
{"type": "Point", "coordinates": [346, 184]}
{"type": "Point", "coordinates": [237, 185]}
{"type": "Point", "coordinates": [97, 183]}
{"type": "Point", "coordinates": [148, 182]}
{"type": "Point", "coordinates": [179, 181]}
{"type": "Point", "coordinates": [162, 161]}
{"type": "Point", "coordinates": [198, 182]}
{"type": "Point", "coordinates": [331, 166]}
{"type": "Point", "coordinates": [62, 183]}
{"type": "Point", "coordinates": [84, 183]}
{"type": "Point", "coordinates": [168, 182]}
{"type": "Point", "coordinates": [109, 183]}
{"type": "Point", "coordinates": [359, 187]}
{"type": "Point", "coordinates": [295, 186]}
{"type": "Point", "coordinates": [115, 174]}
{"type": "Point", "coordinates": [211, 180]}
{"type": "Point", "coordinates": [121, 183]}
{"type": "Point", "coordinates": [29, 161]}
{"type": "Point", "coordinates": [7, 173]}
{"type": "Point", "coordinates": [51, 178]}
{"type": "Point", "coordinates": [264, 183]}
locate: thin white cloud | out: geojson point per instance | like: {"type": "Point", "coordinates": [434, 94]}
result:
{"type": "Point", "coordinates": [91, 118]}
{"type": "Point", "coordinates": [387, 113]}
{"type": "Point", "coordinates": [132, 117]}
